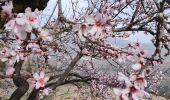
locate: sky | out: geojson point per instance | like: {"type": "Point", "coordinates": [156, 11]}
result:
{"type": "Point", "coordinates": [66, 6]}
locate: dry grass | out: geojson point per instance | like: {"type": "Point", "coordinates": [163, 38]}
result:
{"type": "Point", "coordinates": [69, 92]}
{"type": "Point", "coordinates": [158, 98]}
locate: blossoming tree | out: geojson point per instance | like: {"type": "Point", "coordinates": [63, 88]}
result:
{"type": "Point", "coordinates": [77, 42]}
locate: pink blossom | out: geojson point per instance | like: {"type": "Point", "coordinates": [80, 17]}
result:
{"type": "Point", "coordinates": [134, 85]}
{"type": "Point", "coordinates": [97, 23]}
{"type": "Point", "coordinates": [41, 80]}
{"type": "Point", "coordinates": [123, 78]}
{"type": "Point", "coordinates": [82, 30]}
{"type": "Point", "coordinates": [22, 25]}
{"type": "Point", "coordinates": [137, 93]}
{"type": "Point", "coordinates": [10, 25]}
{"type": "Point", "coordinates": [139, 80]}
{"type": "Point", "coordinates": [44, 92]}
{"type": "Point", "coordinates": [10, 71]}
{"type": "Point", "coordinates": [4, 59]}
{"type": "Point", "coordinates": [120, 94]}
{"type": "Point", "coordinates": [31, 16]}
{"type": "Point", "coordinates": [22, 56]}
{"type": "Point", "coordinates": [35, 48]}
{"type": "Point", "coordinates": [7, 9]}
{"type": "Point", "coordinates": [10, 57]}
{"type": "Point", "coordinates": [122, 57]}
{"type": "Point", "coordinates": [32, 46]}
{"type": "Point", "coordinates": [44, 34]}
{"type": "Point", "coordinates": [18, 27]}
{"type": "Point", "coordinates": [4, 54]}
{"type": "Point", "coordinates": [136, 66]}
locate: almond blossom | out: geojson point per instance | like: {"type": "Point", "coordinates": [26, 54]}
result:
{"type": "Point", "coordinates": [121, 94]}
{"type": "Point", "coordinates": [44, 92]}
{"type": "Point", "coordinates": [31, 16]}
{"type": "Point", "coordinates": [122, 57]}
{"type": "Point", "coordinates": [137, 93]}
{"type": "Point", "coordinates": [32, 46]}
{"type": "Point", "coordinates": [41, 79]}
{"type": "Point", "coordinates": [22, 24]}
{"type": "Point", "coordinates": [134, 85]}
{"type": "Point", "coordinates": [82, 30]}
{"type": "Point", "coordinates": [35, 49]}
{"type": "Point", "coordinates": [94, 26]}
{"type": "Point", "coordinates": [139, 80]}
{"type": "Point", "coordinates": [4, 51]}
{"type": "Point", "coordinates": [96, 29]}
{"type": "Point", "coordinates": [122, 77]}
{"type": "Point", "coordinates": [131, 93]}
{"type": "Point", "coordinates": [18, 27]}
{"type": "Point", "coordinates": [44, 34]}
{"type": "Point", "coordinates": [10, 71]}
{"type": "Point", "coordinates": [97, 22]}
{"type": "Point", "coordinates": [7, 9]}
{"type": "Point", "coordinates": [136, 66]}
{"type": "Point", "coordinates": [10, 57]}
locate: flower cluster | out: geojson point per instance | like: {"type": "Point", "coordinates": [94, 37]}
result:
{"type": "Point", "coordinates": [134, 87]}
{"type": "Point", "coordinates": [44, 35]}
{"type": "Point", "coordinates": [27, 37]}
{"type": "Point", "coordinates": [10, 71]}
{"type": "Point", "coordinates": [95, 30]}
{"type": "Point", "coordinates": [11, 56]}
{"type": "Point", "coordinates": [97, 27]}
{"type": "Point", "coordinates": [22, 24]}
{"type": "Point", "coordinates": [40, 79]}
{"type": "Point", "coordinates": [7, 9]}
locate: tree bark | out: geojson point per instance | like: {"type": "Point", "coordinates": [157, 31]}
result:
{"type": "Point", "coordinates": [23, 87]}
{"type": "Point", "coordinates": [33, 95]}
{"type": "Point", "coordinates": [20, 82]}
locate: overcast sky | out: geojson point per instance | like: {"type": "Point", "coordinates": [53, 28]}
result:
{"type": "Point", "coordinates": [66, 7]}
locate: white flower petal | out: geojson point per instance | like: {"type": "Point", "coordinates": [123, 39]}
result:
{"type": "Point", "coordinates": [136, 66]}
{"type": "Point", "coordinates": [135, 97]}
{"type": "Point", "coordinates": [17, 58]}
{"type": "Point", "coordinates": [37, 85]}
{"type": "Point", "coordinates": [28, 28]}
{"type": "Point", "coordinates": [28, 10]}
{"type": "Point", "coordinates": [36, 76]}
{"type": "Point", "coordinates": [42, 74]}
{"type": "Point", "coordinates": [145, 83]}
{"type": "Point", "coordinates": [13, 53]}
{"type": "Point", "coordinates": [10, 71]}
{"type": "Point", "coordinates": [90, 20]}
{"type": "Point", "coordinates": [4, 59]}
{"type": "Point", "coordinates": [117, 91]}
{"type": "Point", "coordinates": [46, 91]}
{"type": "Point", "coordinates": [20, 21]}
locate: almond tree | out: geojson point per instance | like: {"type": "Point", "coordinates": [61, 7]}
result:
{"type": "Point", "coordinates": [77, 42]}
